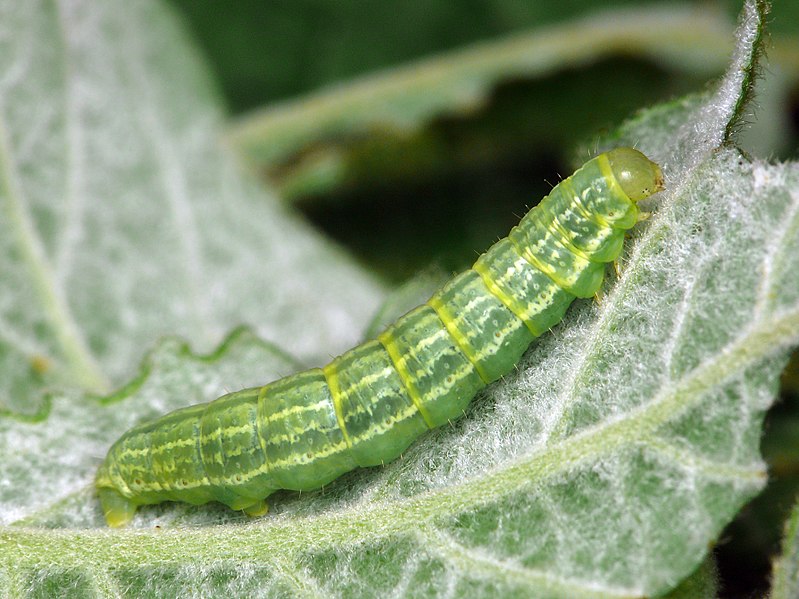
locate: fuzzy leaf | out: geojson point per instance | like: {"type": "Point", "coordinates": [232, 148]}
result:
{"type": "Point", "coordinates": [125, 219]}
{"type": "Point", "coordinates": [604, 467]}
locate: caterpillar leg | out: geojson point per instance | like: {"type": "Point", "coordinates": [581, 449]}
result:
{"type": "Point", "coordinates": [598, 297]}
{"type": "Point", "coordinates": [259, 508]}
{"type": "Point", "coordinates": [617, 263]}
{"type": "Point", "coordinates": [249, 507]}
{"type": "Point", "coordinates": [118, 510]}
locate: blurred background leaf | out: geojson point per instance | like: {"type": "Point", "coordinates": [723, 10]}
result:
{"type": "Point", "coordinates": [785, 576]}
{"type": "Point", "coordinates": [422, 158]}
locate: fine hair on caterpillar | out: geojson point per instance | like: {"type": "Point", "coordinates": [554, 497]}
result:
{"type": "Point", "coordinates": [368, 405]}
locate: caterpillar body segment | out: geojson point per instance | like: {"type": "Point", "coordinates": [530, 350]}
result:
{"type": "Point", "coordinates": [365, 407]}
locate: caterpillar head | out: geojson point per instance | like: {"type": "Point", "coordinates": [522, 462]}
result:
{"type": "Point", "coordinates": [637, 175]}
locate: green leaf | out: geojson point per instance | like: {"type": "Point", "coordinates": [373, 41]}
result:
{"type": "Point", "coordinates": [702, 584]}
{"type": "Point", "coordinates": [124, 217]}
{"type": "Point", "coordinates": [283, 50]}
{"type": "Point", "coordinates": [785, 577]}
{"type": "Point", "coordinates": [604, 467]}
{"type": "Point", "coordinates": [316, 142]}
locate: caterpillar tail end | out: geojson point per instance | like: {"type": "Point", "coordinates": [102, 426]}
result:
{"type": "Point", "coordinates": [117, 509]}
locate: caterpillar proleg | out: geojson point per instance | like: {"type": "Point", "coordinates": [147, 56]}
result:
{"type": "Point", "coordinates": [365, 407]}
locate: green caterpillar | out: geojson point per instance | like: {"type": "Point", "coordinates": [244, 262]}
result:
{"type": "Point", "coordinates": [369, 404]}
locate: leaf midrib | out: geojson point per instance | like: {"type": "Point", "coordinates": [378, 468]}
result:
{"type": "Point", "coordinates": [105, 549]}
{"type": "Point", "coordinates": [80, 362]}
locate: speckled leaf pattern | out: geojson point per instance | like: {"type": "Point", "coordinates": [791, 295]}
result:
{"type": "Point", "coordinates": [605, 466]}
{"type": "Point", "coordinates": [125, 220]}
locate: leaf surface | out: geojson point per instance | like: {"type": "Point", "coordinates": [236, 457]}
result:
{"type": "Point", "coordinates": [605, 466]}
{"type": "Point", "coordinates": [124, 218]}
